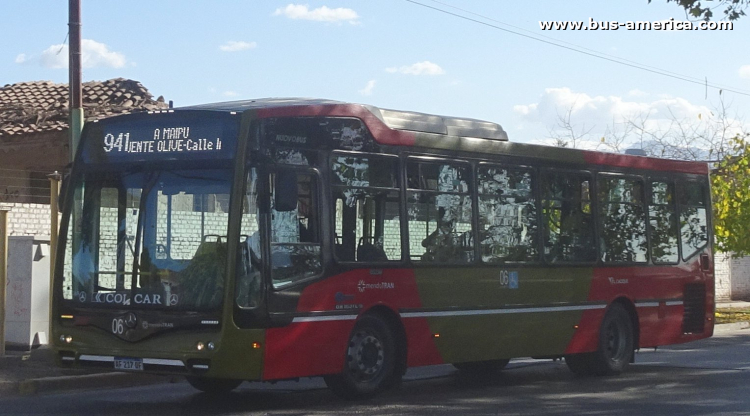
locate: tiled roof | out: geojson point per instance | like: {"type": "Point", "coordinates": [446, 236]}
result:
{"type": "Point", "coordinates": [41, 106]}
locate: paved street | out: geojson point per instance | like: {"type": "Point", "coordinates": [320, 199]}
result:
{"type": "Point", "coordinates": [705, 378]}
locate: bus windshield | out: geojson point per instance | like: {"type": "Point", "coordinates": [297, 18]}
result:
{"type": "Point", "coordinates": [151, 239]}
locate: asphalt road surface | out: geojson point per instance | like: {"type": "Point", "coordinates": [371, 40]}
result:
{"type": "Point", "coordinates": [710, 377]}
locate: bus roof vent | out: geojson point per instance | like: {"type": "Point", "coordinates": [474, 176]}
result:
{"type": "Point", "coordinates": [428, 123]}
{"type": "Point", "coordinates": [635, 152]}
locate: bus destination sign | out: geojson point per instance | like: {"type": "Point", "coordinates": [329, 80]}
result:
{"type": "Point", "coordinates": [166, 139]}
{"type": "Point", "coordinates": [161, 137]}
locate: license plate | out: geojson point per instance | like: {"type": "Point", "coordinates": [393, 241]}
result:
{"type": "Point", "coordinates": [128, 364]}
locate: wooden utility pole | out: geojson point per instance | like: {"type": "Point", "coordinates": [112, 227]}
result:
{"type": "Point", "coordinates": [74, 75]}
{"type": "Point", "coordinates": [54, 192]}
{"type": "Point", "coordinates": [3, 274]}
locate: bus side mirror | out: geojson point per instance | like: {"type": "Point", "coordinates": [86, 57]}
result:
{"type": "Point", "coordinates": [285, 191]}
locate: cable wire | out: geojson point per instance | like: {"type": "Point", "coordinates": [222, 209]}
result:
{"type": "Point", "coordinates": [579, 49]}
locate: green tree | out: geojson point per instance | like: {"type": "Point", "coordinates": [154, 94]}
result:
{"type": "Point", "coordinates": [733, 9]}
{"type": "Point", "coordinates": [731, 198]}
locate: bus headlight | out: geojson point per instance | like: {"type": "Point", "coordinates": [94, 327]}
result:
{"type": "Point", "coordinates": [200, 346]}
{"type": "Point", "coordinates": [211, 346]}
{"type": "Point", "coordinates": [66, 339]}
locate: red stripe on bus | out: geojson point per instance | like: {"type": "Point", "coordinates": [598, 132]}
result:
{"type": "Point", "coordinates": [382, 133]}
{"type": "Point", "coordinates": [305, 349]}
{"type": "Point", "coordinates": [318, 347]}
{"type": "Point", "coordinates": [640, 162]}
{"type": "Point", "coordinates": [647, 289]}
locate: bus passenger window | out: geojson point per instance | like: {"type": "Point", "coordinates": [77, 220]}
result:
{"type": "Point", "coordinates": [438, 202]}
{"type": "Point", "coordinates": [623, 220]}
{"type": "Point", "coordinates": [663, 223]}
{"type": "Point", "coordinates": [692, 198]}
{"type": "Point", "coordinates": [247, 287]}
{"type": "Point", "coordinates": [295, 230]}
{"type": "Point", "coordinates": [566, 214]}
{"type": "Point", "coordinates": [507, 215]}
{"type": "Point", "coordinates": [366, 201]}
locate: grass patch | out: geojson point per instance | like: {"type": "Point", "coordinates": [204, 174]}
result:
{"type": "Point", "coordinates": [728, 316]}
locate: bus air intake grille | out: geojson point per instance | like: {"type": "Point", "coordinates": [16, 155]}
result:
{"type": "Point", "coordinates": [695, 308]}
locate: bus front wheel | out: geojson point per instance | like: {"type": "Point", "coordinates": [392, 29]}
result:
{"type": "Point", "coordinates": [213, 385]}
{"type": "Point", "coordinates": [615, 350]}
{"type": "Point", "coordinates": [370, 362]}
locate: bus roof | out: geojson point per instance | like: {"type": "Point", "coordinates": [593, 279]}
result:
{"type": "Point", "coordinates": [394, 119]}
{"type": "Point", "coordinates": [441, 132]}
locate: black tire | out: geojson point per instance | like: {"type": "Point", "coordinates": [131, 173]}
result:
{"type": "Point", "coordinates": [370, 362]}
{"type": "Point", "coordinates": [616, 345]}
{"type": "Point", "coordinates": [482, 367]}
{"type": "Point", "coordinates": [213, 385]}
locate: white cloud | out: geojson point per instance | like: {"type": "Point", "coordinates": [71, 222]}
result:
{"type": "Point", "coordinates": [637, 93]}
{"type": "Point", "coordinates": [236, 46]}
{"type": "Point", "coordinates": [93, 54]}
{"type": "Point", "coordinates": [321, 14]}
{"type": "Point", "coordinates": [56, 56]}
{"type": "Point", "coordinates": [21, 58]}
{"type": "Point", "coordinates": [602, 110]}
{"type": "Point", "coordinates": [598, 115]}
{"type": "Point", "coordinates": [420, 68]}
{"type": "Point", "coordinates": [367, 90]}
{"type": "Point", "coordinates": [745, 71]}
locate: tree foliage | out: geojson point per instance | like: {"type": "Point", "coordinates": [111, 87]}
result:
{"type": "Point", "coordinates": [731, 199]}
{"type": "Point", "coordinates": [733, 9]}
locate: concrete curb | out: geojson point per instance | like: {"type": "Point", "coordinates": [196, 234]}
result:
{"type": "Point", "coordinates": [735, 326]}
{"type": "Point", "coordinates": [81, 382]}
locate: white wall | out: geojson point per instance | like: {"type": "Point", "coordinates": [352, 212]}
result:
{"type": "Point", "coordinates": [28, 219]}
{"type": "Point", "coordinates": [732, 277]}
{"type": "Point", "coordinates": [27, 297]}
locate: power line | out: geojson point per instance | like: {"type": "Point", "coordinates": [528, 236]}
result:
{"type": "Point", "coordinates": [580, 49]}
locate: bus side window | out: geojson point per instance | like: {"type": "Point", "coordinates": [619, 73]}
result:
{"type": "Point", "coordinates": [566, 214]}
{"type": "Point", "coordinates": [295, 230]}
{"type": "Point", "coordinates": [366, 199]}
{"type": "Point", "coordinates": [438, 202]}
{"type": "Point", "coordinates": [622, 217]}
{"type": "Point", "coordinates": [507, 214]}
{"type": "Point", "coordinates": [248, 285]}
{"type": "Point", "coordinates": [692, 204]}
{"type": "Point", "coordinates": [663, 223]}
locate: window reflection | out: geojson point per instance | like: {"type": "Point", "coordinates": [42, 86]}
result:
{"type": "Point", "coordinates": [663, 223]}
{"type": "Point", "coordinates": [366, 199]}
{"type": "Point", "coordinates": [623, 220]}
{"type": "Point", "coordinates": [507, 215]}
{"type": "Point", "coordinates": [566, 212]}
{"type": "Point", "coordinates": [693, 223]}
{"type": "Point", "coordinates": [438, 203]}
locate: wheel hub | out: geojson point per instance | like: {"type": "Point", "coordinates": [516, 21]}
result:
{"type": "Point", "coordinates": [365, 356]}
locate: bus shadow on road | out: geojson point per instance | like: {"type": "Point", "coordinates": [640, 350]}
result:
{"type": "Point", "coordinates": [538, 387]}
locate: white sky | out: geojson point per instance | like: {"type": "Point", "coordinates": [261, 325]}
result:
{"type": "Point", "coordinates": [393, 54]}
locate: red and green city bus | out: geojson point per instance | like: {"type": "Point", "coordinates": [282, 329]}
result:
{"type": "Point", "coordinates": [276, 239]}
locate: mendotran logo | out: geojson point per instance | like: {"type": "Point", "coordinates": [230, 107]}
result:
{"type": "Point", "coordinates": [362, 286]}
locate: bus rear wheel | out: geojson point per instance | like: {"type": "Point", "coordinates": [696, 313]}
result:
{"type": "Point", "coordinates": [370, 362]}
{"type": "Point", "coordinates": [213, 385]}
{"type": "Point", "coordinates": [616, 341]}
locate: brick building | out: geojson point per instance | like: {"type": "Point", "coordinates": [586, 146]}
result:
{"type": "Point", "coordinates": [34, 140]}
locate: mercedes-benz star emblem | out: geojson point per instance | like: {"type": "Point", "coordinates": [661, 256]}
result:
{"type": "Point", "coordinates": [130, 320]}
